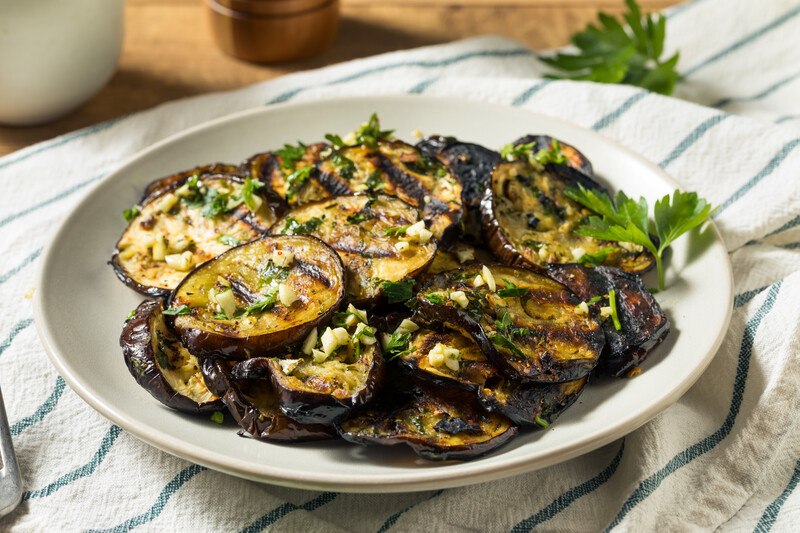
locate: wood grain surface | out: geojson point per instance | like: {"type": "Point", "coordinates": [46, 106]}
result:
{"type": "Point", "coordinates": [169, 53]}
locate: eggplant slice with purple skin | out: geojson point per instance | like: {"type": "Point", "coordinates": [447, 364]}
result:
{"type": "Point", "coordinates": [157, 187]}
{"type": "Point", "coordinates": [643, 325]}
{"type": "Point", "coordinates": [290, 173]}
{"type": "Point", "coordinates": [529, 326]}
{"type": "Point", "coordinates": [467, 368]}
{"type": "Point", "coordinates": [371, 234]}
{"type": "Point", "coordinates": [259, 297]}
{"type": "Point", "coordinates": [253, 404]}
{"type": "Point", "coordinates": [164, 368]}
{"type": "Point", "coordinates": [437, 424]}
{"type": "Point", "coordinates": [574, 157]}
{"type": "Point", "coordinates": [530, 404]}
{"type": "Point", "coordinates": [529, 221]}
{"type": "Point", "coordinates": [216, 374]}
{"type": "Point", "coordinates": [316, 388]}
{"type": "Point", "coordinates": [186, 225]}
{"type": "Point", "coordinates": [425, 183]}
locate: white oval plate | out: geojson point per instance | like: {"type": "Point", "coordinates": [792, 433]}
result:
{"type": "Point", "coordinates": [80, 305]}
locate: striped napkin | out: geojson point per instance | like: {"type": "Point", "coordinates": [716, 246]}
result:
{"type": "Point", "coordinates": [725, 456]}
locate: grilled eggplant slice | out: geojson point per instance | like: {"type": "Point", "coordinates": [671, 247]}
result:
{"type": "Point", "coordinates": [259, 297]}
{"type": "Point", "coordinates": [425, 183]}
{"type": "Point", "coordinates": [216, 374]}
{"type": "Point", "coordinates": [529, 221]}
{"type": "Point", "coordinates": [438, 425]}
{"type": "Point", "coordinates": [158, 362]}
{"type": "Point", "coordinates": [290, 174]}
{"type": "Point", "coordinates": [530, 404]}
{"type": "Point", "coordinates": [529, 327]}
{"type": "Point", "coordinates": [574, 157]}
{"type": "Point", "coordinates": [466, 368]}
{"type": "Point", "coordinates": [457, 256]}
{"type": "Point", "coordinates": [253, 403]}
{"type": "Point", "coordinates": [367, 232]}
{"type": "Point", "coordinates": [643, 325]}
{"type": "Point", "coordinates": [320, 389]}
{"type": "Point", "coordinates": [185, 226]}
{"type": "Point", "coordinates": [159, 186]}
{"type": "Point", "coordinates": [470, 163]}
{"type": "Point", "coordinates": [357, 169]}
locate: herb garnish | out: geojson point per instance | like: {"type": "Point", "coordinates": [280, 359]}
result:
{"type": "Point", "coordinates": [131, 213]}
{"type": "Point", "coordinates": [435, 299]}
{"type": "Point", "coordinates": [370, 134]}
{"type": "Point", "coordinates": [625, 220]}
{"type": "Point", "coordinates": [290, 155]}
{"type": "Point", "coordinates": [343, 164]}
{"type": "Point", "coordinates": [596, 258]}
{"type": "Point", "coordinates": [335, 140]}
{"type": "Point", "coordinates": [248, 189]}
{"type": "Point", "coordinates": [361, 216]}
{"type": "Point", "coordinates": [611, 53]}
{"type": "Point", "coordinates": [177, 311]}
{"type": "Point", "coordinates": [218, 417]}
{"type": "Point", "coordinates": [293, 227]}
{"type": "Point", "coordinates": [297, 179]}
{"type": "Point", "coordinates": [398, 291]}
{"type": "Point", "coordinates": [541, 422]}
{"type": "Point", "coordinates": [228, 240]}
{"type": "Point", "coordinates": [506, 333]}
{"type": "Point", "coordinates": [397, 345]}
{"type": "Point", "coordinates": [612, 302]}
{"type": "Point", "coordinates": [396, 231]}
{"type": "Point", "coordinates": [271, 273]}
{"type": "Point", "coordinates": [511, 290]}
{"type": "Point", "coordinates": [131, 314]}
{"type": "Point", "coordinates": [525, 152]}
{"type": "Point", "coordinates": [264, 305]}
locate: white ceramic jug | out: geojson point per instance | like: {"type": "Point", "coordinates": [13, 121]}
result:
{"type": "Point", "coordinates": [55, 55]}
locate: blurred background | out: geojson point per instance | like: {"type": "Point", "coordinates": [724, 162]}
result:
{"type": "Point", "coordinates": [169, 51]}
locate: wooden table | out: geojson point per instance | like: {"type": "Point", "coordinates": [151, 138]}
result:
{"type": "Point", "coordinates": [168, 51]}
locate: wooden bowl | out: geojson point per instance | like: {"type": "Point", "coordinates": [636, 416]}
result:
{"type": "Point", "coordinates": [285, 34]}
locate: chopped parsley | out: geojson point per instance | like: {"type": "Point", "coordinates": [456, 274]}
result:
{"type": "Point", "coordinates": [397, 345]}
{"type": "Point", "coordinates": [507, 332]}
{"type": "Point", "coordinates": [612, 302]}
{"type": "Point", "coordinates": [335, 140]}
{"type": "Point", "coordinates": [398, 291]}
{"type": "Point", "coordinates": [374, 182]}
{"type": "Point", "coordinates": [296, 180]}
{"type": "Point", "coordinates": [525, 152]}
{"type": "Point", "coordinates": [290, 155]}
{"type": "Point", "coordinates": [293, 227]}
{"type": "Point", "coordinates": [248, 189]}
{"type": "Point", "coordinates": [264, 305]}
{"type": "Point", "coordinates": [541, 422]}
{"type": "Point", "coordinates": [131, 314]}
{"type": "Point", "coordinates": [596, 258]}
{"type": "Point", "coordinates": [177, 311]}
{"type": "Point", "coordinates": [228, 240]}
{"type": "Point", "coordinates": [437, 299]}
{"type": "Point", "coordinates": [272, 273]}
{"type": "Point", "coordinates": [511, 290]}
{"type": "Point", "coordinates": [396, 231]}
{"type": "Point", "coordinates": [217, 417]}
{"type": "Point", "coordinates": [131, 213]}
{"type": "Point", "coordinates": [594, 300]}
{"type": "Point", "coordinates": [429, 167]}
{"type": "Point", "coordinates": [370, 134]}
{"type": "Point", "coordinates": [343, 164]}
{"type": "Point", "coordinates": [363, 215]}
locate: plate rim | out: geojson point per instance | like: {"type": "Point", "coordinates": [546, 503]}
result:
{"type": "Point", "coordinates": [417, 480]}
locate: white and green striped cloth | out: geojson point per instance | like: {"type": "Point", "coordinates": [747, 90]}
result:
{"type": "Point", "coordinates": [726, 456]}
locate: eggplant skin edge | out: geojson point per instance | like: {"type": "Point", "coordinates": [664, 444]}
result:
{"type": "Point", "coordinates": [277, 427]}
{"type": "Point", "coordinates": [136, 344]}
{"type": "Point", "coordinates": [427, 449]}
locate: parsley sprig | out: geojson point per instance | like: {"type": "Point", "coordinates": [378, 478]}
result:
{"type": "Point", "coordinates": [612, 53]}
{"type": "Point", "coordinates": [528, 152]}
{"type": "Point", "coordinates": [626, 220]}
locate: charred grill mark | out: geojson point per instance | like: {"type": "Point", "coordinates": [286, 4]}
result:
{"type": "Point", "coordinates": [241, 290]}
{"type": "Point", "coordinates": [315, 272]}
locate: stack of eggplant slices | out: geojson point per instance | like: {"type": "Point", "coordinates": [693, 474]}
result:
{"type": "Point", "coordinates": [434, 295]}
